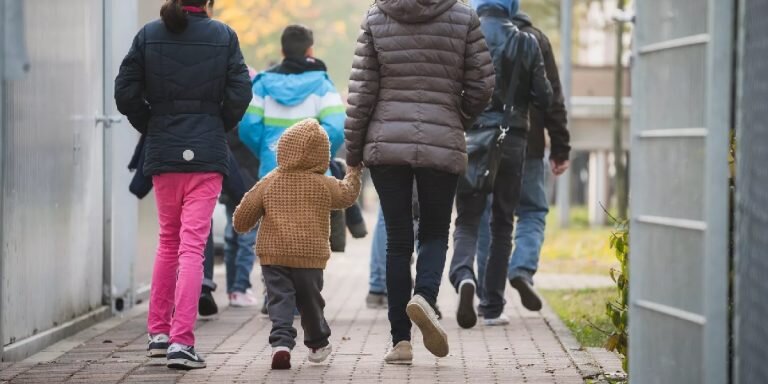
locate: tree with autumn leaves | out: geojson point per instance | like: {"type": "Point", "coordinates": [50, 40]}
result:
{"type": "Point", "coordinates": [336, 24]}
{"type": "Point", "coordinates": [259, 23]}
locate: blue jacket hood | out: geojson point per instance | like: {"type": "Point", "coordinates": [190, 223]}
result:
{"type": "Point", "coordinates": [291, 89]}
{"type": "Point", "coordinates": [511, 6]}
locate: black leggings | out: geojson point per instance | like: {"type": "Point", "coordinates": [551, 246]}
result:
{"type": "Point", "coordinates": [436, 191]}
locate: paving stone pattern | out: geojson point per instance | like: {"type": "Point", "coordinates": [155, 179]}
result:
{"type": "Point", "coordinates": [235, 346]}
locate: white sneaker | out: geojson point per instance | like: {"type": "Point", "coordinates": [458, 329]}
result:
{"type": "Point", "coordinates": [424, 316]}
{"type": "Point", "coordinates": [401, 354]}
{"type": "Point", "coordinates": [320, 354]}
{"type": "Point", "coordinates": [501, 320]}
{"type": "Point", "coordinates": [242, 299]}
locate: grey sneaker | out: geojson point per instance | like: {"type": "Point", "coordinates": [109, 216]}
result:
{"type": "Point", "coordinates": [424, 316]}
{"type": "Point", "coordinates": [401, 354]}
{"type": "Point", "coordinates": [376, 300]}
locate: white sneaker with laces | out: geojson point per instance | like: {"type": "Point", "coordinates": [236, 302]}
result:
{"type": "Point", "coordinates": [320, 354]}
{"type": "Point", "coordinates": [242, 299]}
{"type": "Point", "coordinates": [497, 321]}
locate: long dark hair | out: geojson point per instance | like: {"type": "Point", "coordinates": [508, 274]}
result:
{"type": "Point", "coordinates": [175, 18]}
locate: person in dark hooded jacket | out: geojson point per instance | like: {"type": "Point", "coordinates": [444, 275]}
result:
{"type": "Point", "coordinates": [184, 84]}
{"type": "Point", "coordinates": [534, 205]}
{"type": "Point", "coordinates": [520, 81]}
{"type": "Point", "coordinates": [421, 74]}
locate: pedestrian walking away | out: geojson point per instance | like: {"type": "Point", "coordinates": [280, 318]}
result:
{"type": "Point", "coordinates": [239, 254]}
{"type": "Point", "coordinates": [421, 73]}
{"type": "Point", "coordinates": [520, 81]}
{"type": "Point", "coordinates": [232, 185]}
{"type": "Point", "coordinates": [294, 90]}
{"type": "Point", "coordinates": [184, 110]}
{"type": "Point", "coordinates": [293, 260]}
{"type": "Point", "coordinates": [534, 205]}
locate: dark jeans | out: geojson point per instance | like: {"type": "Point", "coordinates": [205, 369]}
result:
{"type": "Point", "coordinates": [529, 234]}
{"type": "Point", "coordinates": [289, 288]}
{"type": "Point", "coordinates": [436, 190]}
{"type": "Point", "coordinates": [208, 282]}
{"type": "Point", "coordinates": [470, 207]}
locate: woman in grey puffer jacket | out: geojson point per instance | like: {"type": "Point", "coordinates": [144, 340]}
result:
{"type": "Point", "coordinates": [421, 74]}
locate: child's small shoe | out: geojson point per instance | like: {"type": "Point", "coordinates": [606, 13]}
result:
{"type": "Point", "coordinates": [281, 358]}
{"type": "Point", "coordinates": [318, 355]}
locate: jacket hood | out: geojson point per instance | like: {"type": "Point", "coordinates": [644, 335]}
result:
{"type": "Point", "coordinates": [522, 20]}
{"type": "Point", "coordinates": [304, 147]}
{"type": "Point", "coordinates": [414, 11]}
{"type": "Point", "coordinates": [291, 89]}
{"type": "Point", "coordinates": [509, 6]}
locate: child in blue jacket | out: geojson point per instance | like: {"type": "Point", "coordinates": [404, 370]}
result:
{"type": "Point", "coordinates": [294, 90]}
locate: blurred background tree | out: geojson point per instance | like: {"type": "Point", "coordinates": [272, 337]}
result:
{"type": "Point", "coordinates": [336, 24]}
{"type": "Point", "coordinates": [259, 24]}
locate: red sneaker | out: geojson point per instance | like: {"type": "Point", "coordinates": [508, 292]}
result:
{"type": "Point", "coordinates": [281, 358]}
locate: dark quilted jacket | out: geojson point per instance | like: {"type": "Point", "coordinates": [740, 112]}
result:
{"type": "Point", "coordinates": [421, 73]}
{"type": "Point", "coordinates": [184, 91]}
{"type": "Point", "coordinates": [509, 46]}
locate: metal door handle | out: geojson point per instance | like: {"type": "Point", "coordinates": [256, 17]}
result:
{"type": "Point", "coordinates": [108, 121]}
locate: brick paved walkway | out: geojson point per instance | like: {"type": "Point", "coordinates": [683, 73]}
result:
{"type": "Point", "coordinates": [235, 346]}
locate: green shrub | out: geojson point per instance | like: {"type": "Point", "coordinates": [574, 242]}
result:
{"type": "Point", "coordinates": [618, 308]}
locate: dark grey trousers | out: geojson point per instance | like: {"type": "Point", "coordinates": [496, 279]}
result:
{"type": "Point", "coordinates": [506, 196]}
{"type": "Point", "coordinates": [290, 288]}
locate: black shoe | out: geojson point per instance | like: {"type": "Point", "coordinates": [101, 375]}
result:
{"type": "Point", "coordinates": [184, 357]}
{"type": "Point", "coordinates": [264, 307]}
{"type": "Point", "coordinates": [529, 297]}
{"type": "Point", "coordinates": [206, 306]}
{"type": "Point", "coordinates": [158, 345]}
{"type": "Point", "coordinates": [465, 315]}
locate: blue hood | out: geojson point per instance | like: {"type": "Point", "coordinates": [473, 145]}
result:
{"type": "Point", "coordinates": [292, 89]}
{"type": "Point", "coordinates": [511, 6]}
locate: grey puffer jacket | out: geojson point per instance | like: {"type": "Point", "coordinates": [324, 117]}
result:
{"type": "Point", "coordinates": [421, 73]}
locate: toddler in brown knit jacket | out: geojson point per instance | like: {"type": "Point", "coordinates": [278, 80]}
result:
{"type": "Point", "coordinates": [293, 203]}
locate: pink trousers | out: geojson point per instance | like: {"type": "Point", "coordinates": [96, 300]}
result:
{"type": "Point", "coordinates": [185, 203]}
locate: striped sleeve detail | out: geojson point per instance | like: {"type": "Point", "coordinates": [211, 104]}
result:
{"type": "Point", "coordinates": [256, 107]}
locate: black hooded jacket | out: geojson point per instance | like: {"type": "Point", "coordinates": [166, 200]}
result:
{"type": "Point", "coordinates": [508, 45]}
{"type": "Point", "coordinates": [555, 118]}
{"type": "Point", "coordinates": [184, 91]}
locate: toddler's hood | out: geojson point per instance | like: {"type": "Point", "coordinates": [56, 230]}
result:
{"type": "Point", "coordinates": [304, 147]}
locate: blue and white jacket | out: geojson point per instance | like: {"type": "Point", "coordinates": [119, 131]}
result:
{"type": "Point", "coordinates": [295, 90]}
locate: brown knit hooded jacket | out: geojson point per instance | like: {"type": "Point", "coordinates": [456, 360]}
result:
{"type": "Point", "coordinates": [294, 201]}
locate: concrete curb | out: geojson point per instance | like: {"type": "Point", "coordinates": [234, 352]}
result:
{"type": "Point", "coordinates": [585, 363]}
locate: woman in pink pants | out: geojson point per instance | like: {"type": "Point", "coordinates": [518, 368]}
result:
{"type": "Point", "coordinates": [183, 84]}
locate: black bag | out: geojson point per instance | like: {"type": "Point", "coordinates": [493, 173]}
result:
{"type": "Point", "coordinates": [484, 157]}
{"type": "Point", "coordinates": [484, 146]}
